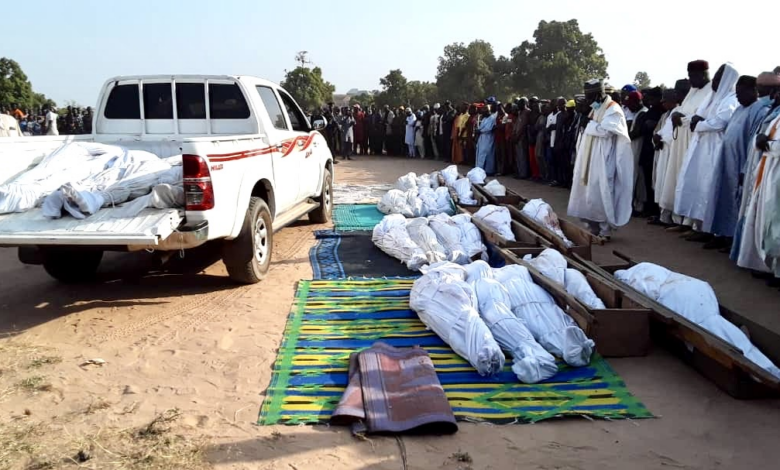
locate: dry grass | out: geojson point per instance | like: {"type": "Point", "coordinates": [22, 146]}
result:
{"type": "Point", "coordinates": [98, 404]}
{"type": "Point", "coordinates": [17, 357]}
{"type": "Point", "coordinates": [39, 361]}
{"type": "Point", "coordinates": [154, 446]}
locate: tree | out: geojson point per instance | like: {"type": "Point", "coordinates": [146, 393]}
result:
{"type": "Point", "coordinates": [15, 89]}
{"type": "Point", "coordinates": [308, 87]}
{"type": "Point", "coordinates": [642, 80]}
{"type": "Point", "coordinates": [394, 89]}
{"type": "Point", "coordinates": [466, 73]}
{"type": "Point", "coordinates": [419, 93]}
{"type": "Point", "coordinates": [364, 99]}
{"type": "Point", "coordinates": [559, 61]}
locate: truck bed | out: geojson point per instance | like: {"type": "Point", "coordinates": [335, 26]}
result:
{"type": "Point", "coordinates": [101, 229]}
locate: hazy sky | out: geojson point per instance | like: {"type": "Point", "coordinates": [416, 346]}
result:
{"type": "Point", "coordinates": [69, 48]}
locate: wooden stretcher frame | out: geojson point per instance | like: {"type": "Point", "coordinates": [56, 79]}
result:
{"type": "Point", "coordinates": [713, 357]}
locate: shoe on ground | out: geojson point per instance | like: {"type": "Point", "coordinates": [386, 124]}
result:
{"type": "Point", "coordinates": [698, 237]}
{"type": "Point", "coordinates": [677, 229]}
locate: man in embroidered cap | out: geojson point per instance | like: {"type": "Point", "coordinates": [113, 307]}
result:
{"type": "Point", "coordinates": [604, 172]}
{"type": "Point", "coordinates": [733, 157]}
{"type": "Point", "coordinates": [757, 221]}
{"type": "Point", "coordinates": [698, 75]}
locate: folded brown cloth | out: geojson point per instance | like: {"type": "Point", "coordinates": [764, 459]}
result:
{"type": "Point", "coordinates": [394, 390]}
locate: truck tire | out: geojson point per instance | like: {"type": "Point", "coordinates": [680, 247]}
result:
{"type": "Point", "coordinates": [322, 214]}
{"type": "Point", "coordinates": [248, 256]}
{"type": "Point", "coordinates": [71, 266]}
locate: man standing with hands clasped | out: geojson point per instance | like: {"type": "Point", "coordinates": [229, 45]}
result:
{"type": "Point", "coordinates": [603, 185]}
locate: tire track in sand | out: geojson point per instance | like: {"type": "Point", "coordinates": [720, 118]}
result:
{"type": "Point", "coordinates": [198, 302]}
{"type": "Point", "coordinates": [202, 315]}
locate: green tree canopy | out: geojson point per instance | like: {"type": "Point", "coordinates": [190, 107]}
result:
{"type": "Point", "coordinates": [394, 89]}
{"type": "Point", "coordinates": [308, 87]}
{"type": "Point", "coordinates": [421, 93]}
{"type": "Point", "coordinates": [15, 88]}
{"type": "Point", "coordinates": [467, 72]}
{"type": "Point", "coordinates": [642, 80]}
{"type": "Point", "coordinates": [364, 99]}
{"type": "Point", "coordinates": [559, 61]}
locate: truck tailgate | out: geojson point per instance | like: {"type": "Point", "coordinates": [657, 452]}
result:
{"type": "Point", "coordinates": [32, 228]}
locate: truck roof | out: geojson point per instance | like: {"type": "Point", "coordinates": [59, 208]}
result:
{"type": "Point", "coordinates": [248, 78]}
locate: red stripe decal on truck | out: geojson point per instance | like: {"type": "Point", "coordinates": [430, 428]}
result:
{"type": "Point", "coordinates": [299, 143]}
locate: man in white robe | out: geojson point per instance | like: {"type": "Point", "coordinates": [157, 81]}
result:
{"type": "Point", "coordinates": [696, 192]}
{"type": "Point", "coordinates": [663, 138]}
{"type": "Point", "coordinates": [698, 74]}
{"type": "Point", "coordinates": [603, 184]}
{"type": "Point", "coordinates": [409, 136]}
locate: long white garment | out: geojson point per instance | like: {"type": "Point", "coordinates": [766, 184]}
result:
{"type": "Point", "coordinates": [662, 156]}
{"type": "Point", "coordinates": [679, 146]}
{"type": "Point", "coordinates": [603, 185]}
{"type": "Point", "coordinates": [695, 191]}
{"type": "Point", "coordinates": [751, 250]}
{"type": "Point", "coordinates": [409, 137]}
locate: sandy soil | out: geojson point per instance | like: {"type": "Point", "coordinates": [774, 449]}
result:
{"type": "Point", "coordinates": [189, 339]}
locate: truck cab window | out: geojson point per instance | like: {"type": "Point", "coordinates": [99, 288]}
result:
{"type": "Point", "coordinates": [190, 101]}
{"type": "Point", "coordinates": [123, 103]}
{"type": "Point", "coordinates": [272, 106]}
{"type": "Point", "coordinates": [227, 102]}
{"type": "Point", "coordinates": [158, 101]}
{"type": "Point", "coordinates": [297, 119]}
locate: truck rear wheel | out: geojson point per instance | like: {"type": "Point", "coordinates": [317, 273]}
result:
{"type": "Point", "coordinates": [248, 256]}
{"type": "Point", "coordinates": [322, 214]}
{"type": "Point", "coordinates": [71, 266]}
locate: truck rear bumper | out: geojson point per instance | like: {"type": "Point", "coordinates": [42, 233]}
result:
{"type": "Point", "coordinates": [188, 235]}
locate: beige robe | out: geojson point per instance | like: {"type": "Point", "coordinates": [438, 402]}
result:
{"type": "Point", "coordinates": [679, 145]}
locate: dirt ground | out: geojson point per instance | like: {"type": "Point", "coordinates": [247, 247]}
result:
{"type": "Point", "coordinates": [188, 340]}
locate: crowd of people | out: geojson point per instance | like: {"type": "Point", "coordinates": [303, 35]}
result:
{"type": "Point", "coordinates": [701, 158]}
{"type": "Point", "coordinates": [15, 122]}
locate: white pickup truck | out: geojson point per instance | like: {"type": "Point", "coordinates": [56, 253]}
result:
{"type": "Point", "coordinates": [252, 164]}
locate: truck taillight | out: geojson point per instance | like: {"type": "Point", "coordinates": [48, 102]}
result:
{"type": "Point", "coordinates": [198, 190]}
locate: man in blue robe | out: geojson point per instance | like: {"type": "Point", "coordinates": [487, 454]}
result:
{"type": "Point", "coordinates": [734, 152]}
{"type": "Point", "coordinates": [768, 85]}
{"type": "Point", "coordinates": [486, 143]}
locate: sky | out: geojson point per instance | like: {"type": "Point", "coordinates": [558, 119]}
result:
{"type": "Point", "coordinates": [69, 48]}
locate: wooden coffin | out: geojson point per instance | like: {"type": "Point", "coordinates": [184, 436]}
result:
{"type": "Point", "coordinates": [511, 198]}
{"type": "Point", "coordinates": [620, 330]}
{"type": "Point", "coordinates": [581, 238]}
{"type": "Point", "coordinates": [711, 356]}
{"type": "Point", "coordinates": [524, 237]}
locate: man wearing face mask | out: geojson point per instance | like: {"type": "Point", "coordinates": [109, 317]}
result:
{"type": "Point", "coordinates": [696, 189]}
{"type": "Point", "coordinates": [754, 106]}
{"type": "Point", "coordinates": [698, 75]}
{"type": "Point", "coordinates": [603, 187]}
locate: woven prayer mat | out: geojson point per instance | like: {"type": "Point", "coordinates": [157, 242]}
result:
{"type": "Point", "coordinates": [331, 319]}
{"type": "Point", "coordinates": [341, 255]}
{"type": "Point", "coordinates": [349, 217]}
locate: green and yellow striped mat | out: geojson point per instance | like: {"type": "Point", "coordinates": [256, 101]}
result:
{"type": "Point", "coordinates": [331, 319]}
